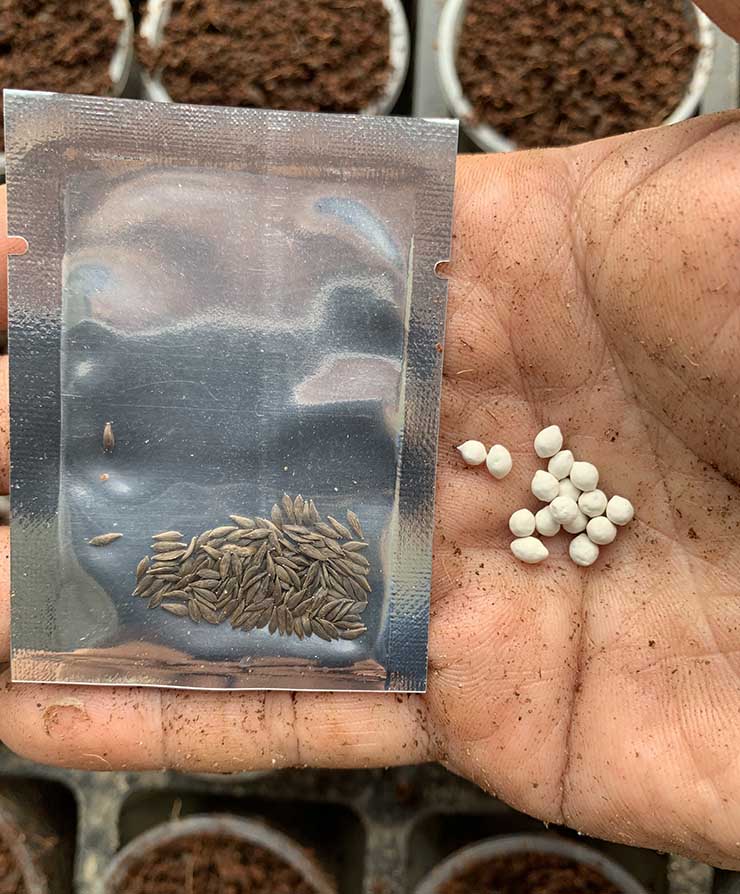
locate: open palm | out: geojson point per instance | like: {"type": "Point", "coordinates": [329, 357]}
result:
{"type": "Point", "coordinates": [595, 287]}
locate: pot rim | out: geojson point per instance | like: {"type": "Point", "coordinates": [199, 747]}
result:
{"type": "Point", "coordinates": [216, 825]}
{"type": "Point", "coordinates": [501, 845]}
{"type": "Point", "coordinates": [491, 140]}
{"type": "Point", "coordinates": [157, 13]}
{"type": "Point", "coordinates": [119, 67]}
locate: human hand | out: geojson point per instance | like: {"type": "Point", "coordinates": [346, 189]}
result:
{"type": "Point", "coordinates": [595, 287]}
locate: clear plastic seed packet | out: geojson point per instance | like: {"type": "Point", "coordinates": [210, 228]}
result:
{"type": "Point", "coordinates": [225, 375]}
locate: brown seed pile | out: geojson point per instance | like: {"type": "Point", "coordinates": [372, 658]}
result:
{"type": "Point", "coordinates": [557, 72]}
{"type": "Point", "coordinates": [293, 573]}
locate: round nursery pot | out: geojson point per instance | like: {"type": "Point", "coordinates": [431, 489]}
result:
{"type": "Point", "coordinates": [45, 57]}
{"type": "Point", "coordinates": [490, 139]}
{"type": "Point", "coordinates": [228, 850]}
{"type": "Point", "coordinates": [153, 35]}
{"type": "Point", "coordinates": [31, 858]}
{"type": "Point", "coordinates": [451, 875]}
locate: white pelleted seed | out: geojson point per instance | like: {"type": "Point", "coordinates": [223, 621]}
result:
{"type": "Point", "coordinates": [592, 503]}
{"type": "Point", "coordinates": [545, 523]}
{"type": "Point", "coordinates": [498, 461]}
{"type": "Point", "coordinates": [576, 504]}
{"type": "Point", "coordinates": [545, 486]}
{"type": "Point", "coordinates": [529, 550]}
{"type": "Point", "coordinates": [620, 511]}
{"type": "Point", "coordinates": [473, 452]}
{"type": "Point", "coordinates": [600, 530]}
{"type": "Point", "coordinates": [583, 551]}
{"type": "Point", "coordinates": [548, 442]}
{"type": "Point", "coordinates": [560, 464]}
{"type": "Point", "coordinates": [568, 489]}
{"type": "Point", "coordinates": [577, 525]}
{"type": "Point", "coordinates": [521, 523]}
{"type": "Point", "coordinates": [584, 475]}
{"type": "Point", "coordinates": [564, 510]}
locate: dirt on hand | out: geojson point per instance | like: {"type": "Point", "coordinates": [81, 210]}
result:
{"type": "Point", "coordinates": [212, 865]}
{"type": "Point", "coordinates": [530, 874]}
{"type": "Point", "coordinates": [558, 72]}
{"type": "Point", "coordinates": [304, 55]}
{"type": "Point", "coordinates": [60, 45]}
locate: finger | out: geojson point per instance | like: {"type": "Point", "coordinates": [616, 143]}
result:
{"type": "Point", "coordinates": [725, 13]}
{"type": "Point", "coordinates": [117, 727]}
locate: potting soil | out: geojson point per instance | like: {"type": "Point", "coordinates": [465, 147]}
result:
{"type": "Point", "coordinates": [530, 874]}
{"type": "Point", "coordinates": [60, 45]}
{"type": "Point", "coordinates": [212, 865]}
{"type": "Point", "coordinates": [297, 55]}
{"type": "Point", "coordinates": [558, 72]}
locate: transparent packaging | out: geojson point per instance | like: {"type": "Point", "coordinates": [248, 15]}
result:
{"type": "Point", "coordinates": [226, 331]}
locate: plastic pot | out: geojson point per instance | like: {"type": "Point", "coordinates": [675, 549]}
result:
{"type": "Point", "coordinates": [467, 858]}
{"type": "Point", "coordinates": [491, 140]}
{"type": "Point", "coordinates": [216, 826]}
{"type": "Point", "coordinates": [121, 62]}
{"type": "Point", "coordinates": [158, 12]}
{"type": "Point", "coordinates": [34, 843]}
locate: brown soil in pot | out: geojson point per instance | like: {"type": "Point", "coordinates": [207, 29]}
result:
{"type": "Point", "coordinates": [10, 874]}
{"type": "Point", "coordinates": [60, 45]}
{"type": "Point", "coordinates": [530, 874]}
{"type": "Point", "coordinates": [557, 72]}
{"type": "Point", "coordinates": [306, 55]}
{"type": "Point", "coordinates": [212, 865]}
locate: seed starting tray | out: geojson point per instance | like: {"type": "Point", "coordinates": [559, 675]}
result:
{"type": "Point", "coordinates": [374, 831]}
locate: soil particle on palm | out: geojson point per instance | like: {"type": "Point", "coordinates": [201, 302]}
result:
{"type": "Point", "coordinates": [558, 72]}
{"type": "Point", "coordinates": [300, 55]}
{"type": "Point", "coordinates": [61, 45]}
{"type": "Point", "coordinates": [533, 873]}
{"type": "Point", "coordinates": [212, 865]}
{"type": "Point", "coordinates": [10, 875]}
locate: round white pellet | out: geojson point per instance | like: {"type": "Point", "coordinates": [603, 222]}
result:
{"type": "Point", "coordinates": [545, 486]}
{"type": "Point", "coordinates": [521, 523]}
{"type": "Point", "coordinates": [600, 530]}
{"type": "Point", "coordinates": [560, 464]}
{"type": "Point", "coordinates": [473, 452]}
{"type": "Point", "coordinates": [577, 525]}
{"type": "Point", "coordinates": [583, 551]}
{"type": "Point", "coordinates": [545, 523]}
{"type": "Point", "coordinates": [498, 461]}
{"type": "Point", "coordinates": [592, 503]}
{"type": "Point", "coordinates": [568, 489]}
{"type": "Point", "coordinates": [548, 441]}
{"type": "Point", "coordinates": [529, 550]}
{"type": "Point", "coordinates": [564, 509]}
{"type": "Point", "coordinates": [620, 511]}
{"type": "Point", "coordinates": [585, 476]}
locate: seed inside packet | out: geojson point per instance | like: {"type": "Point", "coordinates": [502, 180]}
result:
{"type": "Point", "coordinates": [294, 574]}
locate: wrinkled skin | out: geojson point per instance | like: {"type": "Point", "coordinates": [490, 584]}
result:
{"type": "Point", "coordinates": [596, 287]}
